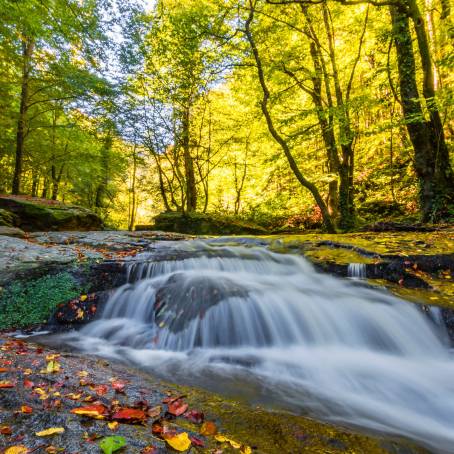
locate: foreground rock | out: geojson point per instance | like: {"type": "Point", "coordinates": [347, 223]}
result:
{"type": "Point", "coordinates": [33, 214]}
{"type": "Point", "coordinates": [55, 401]}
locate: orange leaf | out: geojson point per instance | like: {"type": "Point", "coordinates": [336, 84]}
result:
{"type": "Point", "coordinates": [208, 428]}
{"type": "Point", "coordinates": [26, 409]}
{"type": "Point", "coordinates": [94, 411]}
{"type": "Point", "coordinates": [6, 384]}
{"type": "Point", "coordinates": [177, 407]}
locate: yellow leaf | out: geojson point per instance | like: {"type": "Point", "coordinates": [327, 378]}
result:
{"type": "Point", "coordinates": [52, 357]}
{"type": "Point", "coordinates": [27, 372]}
{"type": "Point", "coordinates": [83, 298]}
{"type": "Point", "coordinates": [17, 450]}
{"type": "Point", "coordinates": [82, 373]}
{"type": "Point", "coordinates": [246, 450]}
{"type": "Point", "coordinates": [52, 367]}
{"type": "Point", "coordinates": [223, 439]}
{"type": "Point", "coordinates": [113, 425]}
{"type": "Point", "coordinates": [79, 314]}
{"type": "Point", "coordinates": [50, 431]}
{"type": "Point", "coordinates": [179, 442]}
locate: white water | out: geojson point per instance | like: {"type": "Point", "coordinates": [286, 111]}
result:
{"type": "Point", "coordinates": [357, 271]}
{"type": "Point", "coordinates": [305, 340]}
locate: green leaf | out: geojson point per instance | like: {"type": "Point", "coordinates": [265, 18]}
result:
{"type": "Point", "coordinates": [112, 444]}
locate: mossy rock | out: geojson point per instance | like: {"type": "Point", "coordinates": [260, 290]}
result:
{"type": "Point", "coordinates": [33, 214]}
{"type": "Point", "coordinates": [205, 224]}
{"type": "Point", "coordinates": [7, 219]}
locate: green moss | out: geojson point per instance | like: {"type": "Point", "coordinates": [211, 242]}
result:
{"type": "Point", "coordinates": [6, 218]}
{"type": "Point", "coordinates": [28, 303]}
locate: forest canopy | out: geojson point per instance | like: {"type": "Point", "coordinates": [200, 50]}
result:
{"type": "Point", "coordinates": [288, 113]}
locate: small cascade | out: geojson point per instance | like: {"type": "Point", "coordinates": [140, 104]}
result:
{"type": "Point", "coordinates": [357, 271]}
{"type": "Point", "coordinates": [230, 316]}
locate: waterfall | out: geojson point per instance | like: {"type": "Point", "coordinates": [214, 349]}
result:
{"type": "Point", "coordinates": [218, 316]}
{"type": "Point", "coordinates": [357, 271]}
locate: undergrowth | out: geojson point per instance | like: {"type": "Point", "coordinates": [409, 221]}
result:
{"type": "Point", "coordinates": [28, 303]}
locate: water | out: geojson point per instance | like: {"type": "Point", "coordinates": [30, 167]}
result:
{"type": "Point", "coordinates": [241, 319]}
{"type": "Point", "coordinates": [357, 271]}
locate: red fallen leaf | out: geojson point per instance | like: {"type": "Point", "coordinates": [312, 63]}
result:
{"type": "Point", "coordinates": [26, 409]}
{"type": "Point", "coordinates": [93, 309]}
{"type": "Point", "coordinates": [157, 428]}
{"type": "Point", "coordinates": [129, 415]}
{"type": "Point", "coordinates": [177, 408]}
{"type": "Point", "coordinates": [6, 384]}
{"type": "Point", "coordinates": [118, 386]}
{"type": "Point", "coordinates": [149, 450]}
{"type": "Point", "coordinates": [100, 390]}
{"type": "Point", "coordinates": [6, 430]}
{"type": "Point", "coordinates": [195, 416]}
{"type": "Point", "coordinates": [196, 441]}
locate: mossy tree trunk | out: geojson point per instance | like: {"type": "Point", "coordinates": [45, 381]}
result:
{"type": "Point", "coordinates": [28, 45]}
{"type": "Point", "coordinates": [431, 157]}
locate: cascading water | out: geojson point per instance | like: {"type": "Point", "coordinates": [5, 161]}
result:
{"type": "Point", "coordinates": [238, 316]}
{"type": "Point", "coordinates": [357, 271]}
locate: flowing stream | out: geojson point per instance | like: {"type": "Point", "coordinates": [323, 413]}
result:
{"type": "Point", "coordinates": [243, 320]}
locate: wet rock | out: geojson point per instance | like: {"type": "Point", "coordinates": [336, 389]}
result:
{"type": "Point", "coordinates": [183, 298]}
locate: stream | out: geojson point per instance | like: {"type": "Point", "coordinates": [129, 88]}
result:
{"type": "Point", "coordinates": [243, 321]}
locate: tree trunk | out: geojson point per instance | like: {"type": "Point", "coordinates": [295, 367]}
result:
{"type": "Point", "coordinates": [27, 53]}
{"type": "Point", "coordinates": [191, 190]}
{"type": "Point", "coordinates": [133, 208]}
{"type": "Point", "coordinates": [431, 160]}
{"type": "Point", "coordinates": [329, 225]}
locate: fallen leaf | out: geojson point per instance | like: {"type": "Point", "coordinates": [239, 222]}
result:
{"type": "Point", "coordinates": [28, 384]}
{"type": "Point", "coordinates": [54, 450]}
{"type": "Point", "coordinates": [6, 384]}
{"type": "Point", "coordinates": [26, 409]}
{"type": "Point", "coordinates": [195, 416]}
{"type": "Point", "coordinates": [177, 408]}
{"type": "Point", "coordinates": [50, 431]}
{"type": "Point", "coordinates": [6, 430]}
{"type": "Point", "coordinates": [53, 367]}
{"type": "Point", "coordinates": [208, 428]}
{"type": "Point", "coordinates": [196, 441]}
{"type": "Point", "coordinates": [17, 450]}
{"type": "Point", "coordinates": [94, 411]}
{"type": "Point", "coordinates": [223, 439]}
{"type": "Point", "coordinates": [179, 442]}
{"type": "Point", "coordinates": [100, 390]}
{"type": "Point", "coordinates": [149, 450]}
{"type": "Point", "coordinates": [118, 386]}
{"type": "Point", "coordinates": [112, 444]}
{"type": "Point", "coordinates": [113, 425]}
{"type": "Point", "coordinates": [245, 449]}
{"type": "Point", "coordinates": [83, 298]}
{"type": "Point", "coordinates": [129, 415]}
